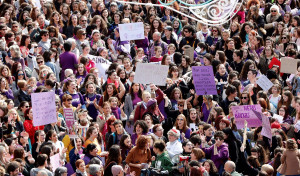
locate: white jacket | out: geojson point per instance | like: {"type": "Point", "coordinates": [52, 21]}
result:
{"type": "Point", "coordinates": [174, 148]}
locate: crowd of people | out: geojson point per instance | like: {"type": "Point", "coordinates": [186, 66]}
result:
{"type": "Point", "coordinates": [126, 128]}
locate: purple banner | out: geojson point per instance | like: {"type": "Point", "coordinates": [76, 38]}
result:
{"type": "Point", "coordinates": [204, 80]}
{"type": "Point", "coordinates": [70, 121]}
{"type": "Point", "coordinates": [245, 112]}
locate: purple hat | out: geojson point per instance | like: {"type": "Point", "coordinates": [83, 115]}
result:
{"type": "Point", "coordinates": [151, 102]}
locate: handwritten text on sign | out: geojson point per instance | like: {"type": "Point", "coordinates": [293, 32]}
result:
{"type": "Point", "coordinates": [204, 80]}
{"type": "Point", "coordinates": [151, 73]}
{"type": "Point", "coordinates": [245, 112]}
{"type": "Point", "coordinates": [43, 108]}
{"type": "Point", "coordinates": [131, 31]}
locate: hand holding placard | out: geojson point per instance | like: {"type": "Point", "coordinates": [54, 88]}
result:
{"type": "Point", "coordinates": [43, 108]}
{"type": "Point", "coordinates": [204, 80]}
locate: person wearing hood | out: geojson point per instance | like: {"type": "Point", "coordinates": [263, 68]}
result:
{"type": "Point", "coordinates": [218, 152]}
{"type": "Point", "coordinates": [162, 160]}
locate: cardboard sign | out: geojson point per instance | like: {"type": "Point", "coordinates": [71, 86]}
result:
{"type": "Point", "coordinates": [288, 65]}
{"type": "Point", "coordinates": [204, 80]}
{"type": "Point", "coordinates": [131, 31]}
{"type": "Point", "coordinates": [264, 83]}
{"type": "Point", "coordinates": [245, 112]}
{"type": "Point", "coordinates": [151, 73]}
{"type": "Point", "coordinates": [43, 108]}
{"type": "Point", "coordinates": [189, 52]}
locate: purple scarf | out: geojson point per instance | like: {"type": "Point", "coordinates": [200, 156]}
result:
{"type": "Point", "coordinates": [116, 112]}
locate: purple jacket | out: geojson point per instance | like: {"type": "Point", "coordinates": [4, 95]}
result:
{"type": "Point", "coordinates": [221, 157]}
{"type": "Point", "coordinates": [9, 94]}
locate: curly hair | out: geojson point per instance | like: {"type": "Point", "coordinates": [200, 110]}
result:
{"type": "Point", "coordinates": [142, 124]}
{"type": "Point", "coordinates": [142, 142]}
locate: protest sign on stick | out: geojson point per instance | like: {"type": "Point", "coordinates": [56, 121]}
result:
{"type": "Point", "coordinates": [131, 31]}
{"type": "Point", "coordinates": [43, 108]}
{"type": "Point", "coordinates": [204, 80]}
{"type": "Point", "coordinates": [244, 112]}
{"type": "Point", "coordinates": [151, 73]}
{"type": "Point", "coordinates": [70, 121]}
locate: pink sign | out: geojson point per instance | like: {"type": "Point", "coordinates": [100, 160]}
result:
{"type": "Point", "coordinates": [244, 112]}
{"type": "Point", "coordinates": [55, 161]}
{"type": "Point", "coordinates": [70, 121]}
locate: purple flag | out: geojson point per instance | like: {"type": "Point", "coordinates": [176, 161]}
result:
{"type": "Point", "coordinates": [266, 126]}
{"type": "Point", "coordinates": [204, 80]}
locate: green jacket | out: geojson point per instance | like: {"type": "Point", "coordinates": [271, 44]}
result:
{"type": "Point", "coordinates": [163, 161]}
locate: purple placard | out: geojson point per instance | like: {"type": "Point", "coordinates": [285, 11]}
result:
{"type": "Point", "coordinates": [204, 80]}
{"type": "Point", "coordinates": [245, 112]}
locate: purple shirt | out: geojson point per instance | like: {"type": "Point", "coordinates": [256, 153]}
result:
{"type": "Point", "coordinates": [67, 60]}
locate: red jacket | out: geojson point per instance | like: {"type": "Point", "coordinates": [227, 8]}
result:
{"type": "Point", "coordinates": [30, 129]}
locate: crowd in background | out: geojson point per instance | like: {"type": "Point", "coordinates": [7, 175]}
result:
{"type": "Point", "coordinates": [127, 128]}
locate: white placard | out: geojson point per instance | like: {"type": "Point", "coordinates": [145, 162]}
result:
{"type": "Point", "coordinates": [101, 64]}
{"type": "Point", "coordinates": [264, 83]}
{"type": "Point", "coordinates": [151, 73]}
{"type": "Point", "coordinates": [278, 117]}
{"type": "Point", "coordinates": [131, 31]}
{"type": "Point", "coordinates": [43, 108]}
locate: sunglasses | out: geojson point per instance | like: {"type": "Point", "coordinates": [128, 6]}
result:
{"type": "Point", "coordinates": [283, 37]}
{"type": "Point", "coordinates": [218, 139]}
{"type": "Point", "coordinates": [83, 20]}
{"type": "Point", "coordinates": [26, 106]}
{"type": "Point", "coordinates": [46, 35]}
{"type": "Point", "coordinates": [20, 74]}
{"type": "Point", "coordinates": [40, 62]}
{"type": "Point", "coordinates": [273, 10]}
{"type": "Point", "coordinates": [215, 30]}
{"type": "Point", "coordinates": [185, 31]}
{"type": "Point", "coordinates": [244, 97]}
{"type": "Point", "coordinates": [84, 34]}
{"type": "Point", "coordinates": [127, 9]}
{"type": "Point", "coordinates": [180, 105]}
{"type": "Point", "coordinates": [15, 26]}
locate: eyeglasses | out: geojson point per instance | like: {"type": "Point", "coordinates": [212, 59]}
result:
{"type": "Point", "coordinates": [46, 35]}
{"type": "Point", "coordinates": [127, 9]}
{"type": "Point", "coordinates": [40, 62]}
{"type": "Point", "coordinates": [185, 31]}
{"type": "Point", "coordinates": [244, 97]}
{"type": "Point", "coordinates": [20, 74]}
{"type": "Point", "coordinates": [218, 139]}
{"type": "Point", "coordinates": [179, 119]}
